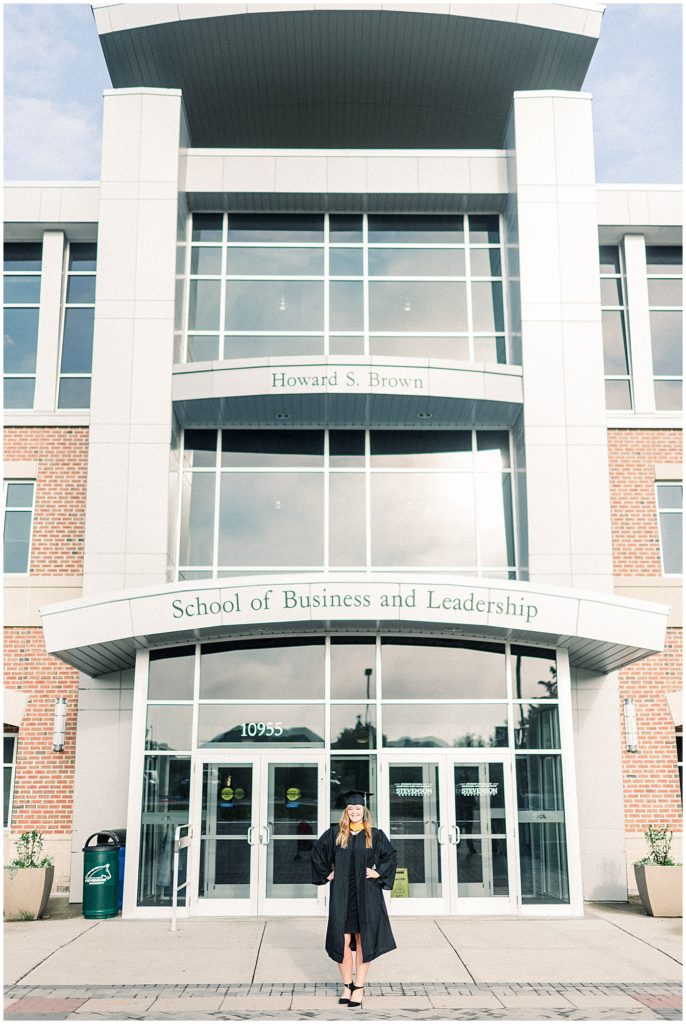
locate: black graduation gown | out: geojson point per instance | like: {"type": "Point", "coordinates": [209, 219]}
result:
{"type": "Point", "coordinates": [375, 928]}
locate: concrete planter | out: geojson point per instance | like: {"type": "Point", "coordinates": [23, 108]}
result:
{"type": "Point", "coordinates": [26, 892]}
{"type": "Point", "coordinates": [659, 886]}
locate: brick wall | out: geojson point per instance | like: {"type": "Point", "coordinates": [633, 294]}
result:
{"type": "Point", "coordinates": [60, 503]}
{"type": "Point", "coordinates": [44, 780]}
{"type": "Point", "coordinates": [633, 455]}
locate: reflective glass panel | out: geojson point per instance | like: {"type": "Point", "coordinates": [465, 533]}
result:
{"type": "Point", "coordinates": [614, 342]}
{"type": "Point", "coordinates": [228, 810]}
{"type": "Point", "coordinates": [21, 340]}
{"type": "Point", "coordinates": [346, 448]}
{"type": "Point", "coordinates": [170, 674]}
{"type": "Point", "coordinates": [487, 306]}
{"type": "Point", "coordinates": [611, 291]}
{"type": "Point", "coordinates": [480, 817]}
{"type": "Point", "coordinates": [168, 727]}
{"type": "Point", "coordinates": [665, 292]}
{"type": "Point", "coordinates": [203, 347]}
{"type": "Point", "coordinates": [450, 449]}
{"type": "Point", "coordinates": [666, 334]}
{"type": "Point", "coordinates": [668, 394]}
{"type": "Point", "coordinates": [21, 496]}
{"type": "Point", "coordinates": [238, 347]}
{"type": "Point", "coordinates": [351, 772]}
{"type": "Point", "coordinates": [442, 669]}
{"type": "Point", "coordinates": [275, 305]}
{"type": "Point", "coordinates": [534, 673]}
{"type": "Point", "coordinates": [668, 495]}
{"type": "Point", "coordinates": [17, 538]}
{"type": "Point", "coordinates": [609, 259]}
{"type": "Point", "coordinates": [346, 311]}
{"type": "Point", "coordinates": [261, 725]}
{"type": "Point", "coordinates": [271, 519]}
{"type": "Point", "coordinates": [444, 725]}
{"type": "Point", "coordinates": [347, 544]}
{"type": "Point", "coordinates": [617, 394]}
{"type": "Point", "coordinates": [340, 345]}
{"type": "Point", "coordinates": [345, 262]}
{"type": "Point", "coordinates": [272, 448]}
{"type": "Point", "coordinates": [416, 263]}
{"type": "Point", "coordinates": [207, 227]}
{"type": "Point", "coordinates": [345, 227]}
{"type": "Point", "coordinates": [200, 447]}
{"type": "Point", "coordinates": [485, 262]}
{"type": "Point", "coordinates": [83, 255]}
{"type": "Point", "coordinates": [21, 289]}
{"type": "Point", "coordinates": [492, 449]}
{"type": "Point", "coordinates": [664, 259]}
{"type": "Point", "coordinates": [495, 519]}
{"type": "Point", "coordinates": [292, 815]}
{"type": "Point", "coordinates": [197, 519]}
{"type": "Point", "coordinates": [81, 289]}
{"type": "Point", "coordinates": [536, 726]}
{"type": "Point", "coordinates": [23, 255]}
{"type": "Point", "coordinates": [542, 843]}
{"type": "Point", "coordinates": [268, 669]}
{"type": "Point", "coordinates": [484, 228]}
{"type": "Point", "coordinates": [166, 793]}
{"type": "Point", "coordinates": [353, 668]}
{"type": "Point", "coordinates": [353, 727]}
{"type": "Point", "coordinates": [414, 827]}
{"type": "Point", "coordinates": [417, 228]}
{"type": "Point", "coordinates": [203, 305]}
{"type": "Point", "coordinates": [442, 502]}
{"type": "Point", "coordinates": [18, 393]}
{"type": "Point", "coordinates": [206, 260]}
{"type": "Point", "coordinates": [490, 350]}
{"type": "Point", "coordinates": [276, 227]}
{"type": "Point", "coordinates": [77, 341]}
{"type": "Point", "coordinates": [671, 535]}
{"type": "Point", "coordinates": [74, 393]}
{"type": "Point", "coordinates": [432, 348]}
{"type": "Point", "coordinates": [417, 306]}
{"type": "Point", "coordinates": [268, 262]}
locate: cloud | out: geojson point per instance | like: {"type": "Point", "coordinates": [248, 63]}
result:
{"type": "Point", "coordinates": [45, 140]}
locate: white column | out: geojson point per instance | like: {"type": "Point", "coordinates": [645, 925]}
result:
{"type": "Point", "coordinates": [568, 494]}
{"type": "Point", "coordinates": [131, 411]}
{"type": "Point", "coordinates": [638, 318]}
{"type": "Point", "coordinates": [49, 321]}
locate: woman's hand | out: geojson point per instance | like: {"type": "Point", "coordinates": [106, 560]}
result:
{"type": "Point", "coordinates": [371, 873]}
{"type": "Point", "coordinates": [329, 878]}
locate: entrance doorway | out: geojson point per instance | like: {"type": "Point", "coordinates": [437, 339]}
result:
{"type": "Point", "coordinates": [450, 817]}
{"type": "Point", "coordinates": [256, 817]}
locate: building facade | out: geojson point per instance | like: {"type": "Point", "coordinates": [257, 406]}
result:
{"type": "Point", "coordinates": [342, 450]}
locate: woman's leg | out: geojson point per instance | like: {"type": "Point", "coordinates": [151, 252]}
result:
{"type": "Point", "coordinates": [361, 968]}
{"type": "Point", "coordinates": [346, 967]}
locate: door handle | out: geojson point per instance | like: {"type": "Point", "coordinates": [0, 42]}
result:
{"type": "Point", "coordinates": [441, 842]}
{"type": "Point", "coordinates": [457, 835]}
{"type": "Point", "coordinates": [268, 836]}
{"type": "Point", "coordinates": [249, 837]}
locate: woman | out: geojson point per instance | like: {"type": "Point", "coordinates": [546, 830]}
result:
{"type": "Point", "coordinates": [360, 862]}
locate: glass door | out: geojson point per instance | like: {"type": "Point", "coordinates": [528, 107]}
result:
{"type": "Point", "coordinates": [256, 819]}
{"type": "Point", "coordinates": [413, 815]}
{"type": "Point", "coordinates": [481, 837]}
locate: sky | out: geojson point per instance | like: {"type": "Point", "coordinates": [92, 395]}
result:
{"type": "Point", "coordinates": [54, 76]}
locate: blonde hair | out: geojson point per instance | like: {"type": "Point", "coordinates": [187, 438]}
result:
{"type": "Point", "coordinates": [344, 829]}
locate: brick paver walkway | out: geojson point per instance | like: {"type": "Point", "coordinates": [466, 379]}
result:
{"type": "Point", "coordinates": [307, 1001]}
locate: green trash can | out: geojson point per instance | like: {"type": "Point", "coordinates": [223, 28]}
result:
{"type": "Point", "coordinates": [100, 875]}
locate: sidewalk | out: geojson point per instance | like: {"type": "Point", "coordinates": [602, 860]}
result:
{"type": "Point", "coordinates": [615, 963]}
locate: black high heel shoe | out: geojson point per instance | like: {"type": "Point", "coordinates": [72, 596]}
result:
{"type": "Point", "coordinates": [353, 1004]}
{"type": "Point", "coordinates": [347, 984]}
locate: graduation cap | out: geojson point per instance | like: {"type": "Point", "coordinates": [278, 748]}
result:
{"type": "Point", "coordinates": [354, 796]}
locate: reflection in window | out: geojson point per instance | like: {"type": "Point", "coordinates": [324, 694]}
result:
{"type": "Point", "coordinates": [9, 757]}
{"type": "Point", "coordinates": [22, 279]}
{"type": "Point", "coordinates": [170, 675]}
{"type": "Point", "coordinates": [276, 284]}
{"type": "Point", "coordinates": [670, 504]}
{"type": "Point", "coordinates": [442, 669]}
{"type": "Point", "coordinates": [615, 341]}
{"type": "Point", "coordinates": [445, 725]}
{"type": "Point", "coordinates": [265, 669]}
{"type": "Point", "coordinates": [19, 501]}
{"type": "Point", "coordinates": [264, 725]}
{"type": "Point", "coordinates": [165, 804]}
{"type": "Point", "coordinates": [450, 492]}
{"type": "Point", "coordinates": [542, 836]}
{"type": "Point", "coordinates": [76, 361]}
{"type": "Point", "coordinates": [665, 273]}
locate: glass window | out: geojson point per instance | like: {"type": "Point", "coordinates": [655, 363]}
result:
{"type": "Point", "coordinates": [76, 360]}
{"type": "Point", "coordinates": [664, 259]}
{"type": "Point", "coordinates": [268, 262]}
{"type": "Point", "coordinates": [19, 503]}
{"type": "Point", "coordinates": [445, 725]}
{"type": "Point", "coordinates": [273, 306]}
{"type": "Point", "coordinates": [416, 263]}
{"type": "Point", "coordinates": [351, 771]}
{"type": "Point", "coordinates": [345, 263]}
{"type": "Point", "coordinates": [484, 229]}
{"type": "Point", "coordinates": [267, 669]}
{"type": "Point", "coordinates": [542, 843]}
{"type": "Point", "coordinates": [345, 228]}
{"type": "Point", "coordinates": [346, 308]}
{"type": "Point", "coordinates": [207, 227]}
{"type": "Point", "coordinates": [353, 668]}
{"type": "Point", "coordinates": [23, 256]}
{"type": "Point", "coordinates": [168, 727]}
{"type": "Point", "coordinates": [416, 228]}
{"type": "Point", "coordinates": [618, 393]}
{"type": "Point", "coordinates": [9, 743]}
{"type": "Point", "coordinates": [165, 804]}
{"type": "Point", "coordinates": [276, 227]}
{"type": "Point", "coordinates": [670, 515]}
{"type": "Point", "coordinates": [417, 306]}
{"type": "Point", "coordinates": [487, 306]}
{"type": "Point", "coordinates": [534, 673]}
{"type": "Point", "coordinates": [536, 726]}
{"type": "Point", "coordinates": [449, 449]}
{"type": "Point", "coordinates": [666, 323]}
{"type": "Point", "coordinates": [261, 725]}
{"type": "Point", "coordinates": [276, 448]}
{"type": "Point", "coordinates": [442, 669]}
{"type": "Point", "coordinates": [170, 674]}
{"type": "Point", "coordinates": [347, 540]}
{"type": "Point", "coordinates": [353, 726]}
{"type": "Point", "coordinates": [21, 340]}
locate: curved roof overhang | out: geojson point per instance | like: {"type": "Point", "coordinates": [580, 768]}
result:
{"type": "Point", "coordinates": [347, 391]}
{"type": "Point", "coordinates": [601, 633]}
{"type": "Point", "coordinates": [322, 75]}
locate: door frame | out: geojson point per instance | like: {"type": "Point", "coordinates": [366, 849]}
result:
{"type": "Point", "coordinates": [257, 904]}
{"type": "Point", "coordinates": [450, 904]}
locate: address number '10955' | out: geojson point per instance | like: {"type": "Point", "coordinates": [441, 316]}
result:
{"type": "Point", "coordinates": [253, 729]}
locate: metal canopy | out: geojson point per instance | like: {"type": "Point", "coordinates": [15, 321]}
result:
{"type": "Point", "coordinates": [348, 78]}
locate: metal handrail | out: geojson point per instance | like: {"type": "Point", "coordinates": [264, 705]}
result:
{"type": "Point", "coordinates": [179, 844]}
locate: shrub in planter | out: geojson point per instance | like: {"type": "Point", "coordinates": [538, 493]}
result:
{"type": "Point", "coordinates": [658, 878]}
{"type": "Point", "coordinates": [28, 879]}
